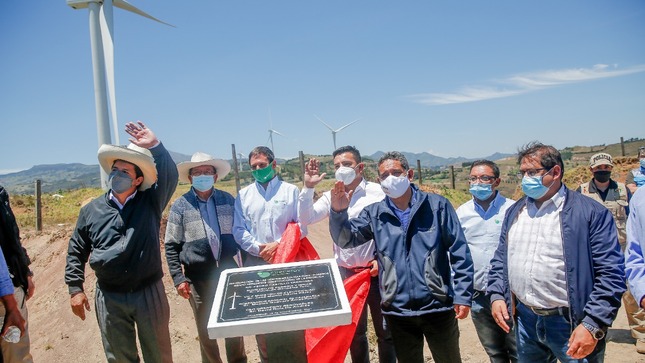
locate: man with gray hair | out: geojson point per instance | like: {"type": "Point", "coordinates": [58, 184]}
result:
{"type": "Point", "coordinates": [425, 268]}
{"type": "Point", "coordinates": [200, 245]}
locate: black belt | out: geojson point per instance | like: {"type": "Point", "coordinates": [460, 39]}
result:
{"type": "Point", "coordinates": [562, 310]}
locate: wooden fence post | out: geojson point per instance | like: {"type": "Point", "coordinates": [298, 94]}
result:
{"type": "Point", "coordinates": [301, 157]}
{"type": "Point", "coordinates": [452, 176]}
{"type": "Point", "coordinates": [39, 206]}
{"type": "Point", "coordinates": [235, 168]}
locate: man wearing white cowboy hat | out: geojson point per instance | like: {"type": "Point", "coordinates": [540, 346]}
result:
{"type": "Point", "coordinates": [119, 233]}
{"type": "Point", "coordinates": [199, 238]}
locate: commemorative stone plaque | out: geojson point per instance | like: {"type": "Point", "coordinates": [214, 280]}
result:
{"type": "Point", "coordinates": [280, 297]}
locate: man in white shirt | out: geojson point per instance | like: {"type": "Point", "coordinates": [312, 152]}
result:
{"type": "Point", "coordinates": [481, 219]}
{"type": "Point", "coordinates": [558, 267]}
{"type": "Point", "coordinates": [349, 169]}
{"type": "Point", "coordinates": [262, 212]}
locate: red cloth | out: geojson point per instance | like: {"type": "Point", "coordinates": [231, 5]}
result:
{"type": "Point", "coordinates": [330, 344]}
{"type": "Point", "coordinates": [293, 249]}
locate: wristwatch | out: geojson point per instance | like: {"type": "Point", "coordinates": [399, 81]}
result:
{"type": "Point", "coordinates": [597, 333]}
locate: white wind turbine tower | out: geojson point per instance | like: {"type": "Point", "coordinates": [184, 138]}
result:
{"type": "Point", "coordinates": [334, 132]}
{"type": "Point", "coordinates": [240, 157]}
{"type": "Point", "coordinates": [271, 132]}
{"type": "Point", "coordinates": [101, 39]}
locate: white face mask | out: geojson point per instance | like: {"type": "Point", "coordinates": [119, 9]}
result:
{"type": "Point", "coordinates": [346, 174]}
{"type": "Point", "coordinates": [395, 187]}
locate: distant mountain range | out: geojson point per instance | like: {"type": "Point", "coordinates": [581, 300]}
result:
{"type": "Point", "coordinates": [432, 161]}
{"type": "Point", "coordinates": [60, 177]}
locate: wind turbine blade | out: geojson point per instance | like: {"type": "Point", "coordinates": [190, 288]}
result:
{"type": "Point", "coordinates": [105, 20]}
{"type": "Point", "coordinates": [131, 8]}
{"type": "Point", "coordinates": [275, 132]}
{"type": "Point", "coordinates": [349, 124]}
{"type": "Point", "coordinates": [324, 123]}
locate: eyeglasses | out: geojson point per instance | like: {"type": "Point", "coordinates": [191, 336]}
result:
{"type": "Point", "coordinates": [200, 173]}
{"type": "Point", "coordinates": [483, 178]}
{"type": "Point", "coordinates": [530, 173]}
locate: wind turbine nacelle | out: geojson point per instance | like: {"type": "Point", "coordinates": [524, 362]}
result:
{"type": "Point", "coordinates": [81, 4]}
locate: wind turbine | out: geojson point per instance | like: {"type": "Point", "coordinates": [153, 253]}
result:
{"type": "Point", "coordinates": [272, 131]}
{"type": "Point", "coordinates": [240, 157]}
{"type": "Point", "coordinates": [334, 132]}
{"type": "Point", "coordinates": [102, 44]}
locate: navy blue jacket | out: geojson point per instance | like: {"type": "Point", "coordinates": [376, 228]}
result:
{"type": "Point", "coordinates": [594, 265]}
{"type": "Point", "coordinates": [415, 263]}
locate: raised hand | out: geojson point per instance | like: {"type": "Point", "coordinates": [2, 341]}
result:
{"type": "Point", "coordinates": [339, 198]}
{"type": "Point", "coordinates": [312, 173]}
{"type": "Point", "coordinates": [141, 135]}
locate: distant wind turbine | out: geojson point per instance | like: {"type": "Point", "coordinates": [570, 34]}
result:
{"type": "Point", "coordinates": [101, 39]}
{"type": "Point", "coordinates": [334, 132]}
{"type": "Point", "coordinates": [240, 157]}
{"type": "Point", "coordinates": [272, 131]}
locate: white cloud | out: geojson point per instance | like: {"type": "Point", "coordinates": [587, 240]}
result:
{"type": "Point", "coordinates": [523, 83]}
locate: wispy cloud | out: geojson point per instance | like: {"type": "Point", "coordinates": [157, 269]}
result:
{"type": "Point", "coordinates": [524, 83]}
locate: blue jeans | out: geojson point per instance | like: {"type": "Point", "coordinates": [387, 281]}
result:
{"type": "Point", "coordinates": [499, 345]}
{"type": "Point", "coordinates": [546, 338]}
{"type": "Point", "coordinates": [359, 349]}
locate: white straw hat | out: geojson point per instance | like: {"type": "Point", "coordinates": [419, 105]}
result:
{"type": "Point", "coordinates": [198, 159]}
{"type": "Point", "coordinates": [133, 154]}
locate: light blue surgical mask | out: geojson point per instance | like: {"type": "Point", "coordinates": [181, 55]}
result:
{"type": "Point", "coordinates": [203, 183]}
{"type": "Point", "coordinates": [120, 182]}
{"type": "Point", "coordinates": [642, 162]}
{"type": "Point", "coordinates": [481, 191]}
{"type": "Point", "coordinates": [533, 187]}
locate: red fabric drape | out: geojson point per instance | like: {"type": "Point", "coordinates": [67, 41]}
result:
{"type": "Point", "coordinates": [293, 249]}
{"type": "Point", "coordinates": [328, 344]}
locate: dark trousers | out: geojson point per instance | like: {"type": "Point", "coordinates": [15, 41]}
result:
{"type": "Point", "coordinates": [147, 310]}
{"type": "Point", "coordinates": [439, 329]}
{"type": "Point", "coordinates": [498, 344]}
{"type": "Point", "coordinates": [201, 300]}
{"type": "Point", "coordinates": [359, 349]}
{"type": "Point", "coordinates": [286, 346]}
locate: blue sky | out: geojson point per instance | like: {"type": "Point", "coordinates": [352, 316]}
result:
{"type": "Point", "coordinates": [466, 78]}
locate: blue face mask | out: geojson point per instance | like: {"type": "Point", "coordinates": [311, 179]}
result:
{"type": "Point", "coordinates": [481, 191]}
{"type": "Point", "coordinates": [120, 182]}
{"type": "Point", "coordinates": [203, 183]}
{"type": "Point", "coordinates": [642, 161]}
{"type": "Point", "coordinates": [533, 187]}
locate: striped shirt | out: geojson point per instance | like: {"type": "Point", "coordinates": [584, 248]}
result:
{"type": "Point", "coordinates": [536, 267]}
